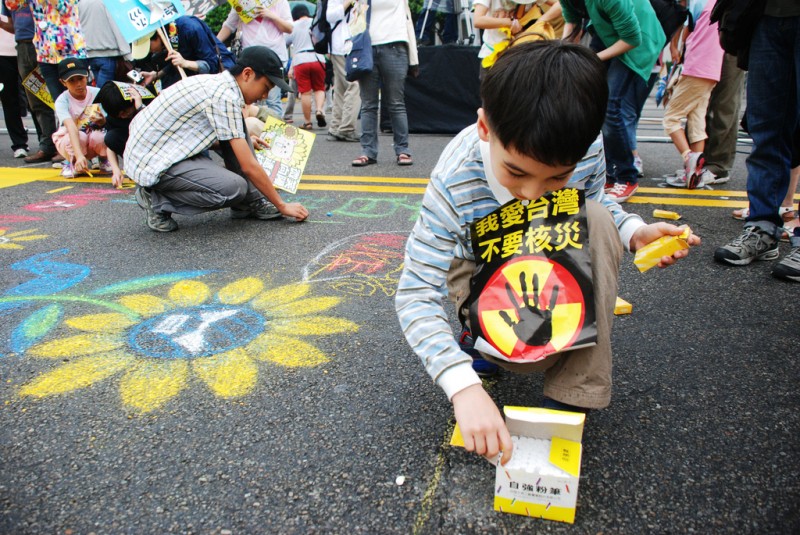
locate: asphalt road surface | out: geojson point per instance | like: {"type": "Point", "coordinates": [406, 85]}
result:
{"type": "Point", "coordinates": [250, 377]}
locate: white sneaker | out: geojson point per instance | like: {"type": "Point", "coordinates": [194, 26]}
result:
{"type": "Point", "coordinates": [709, 178]}
{"type": "Point", "coordinates": [67, 171]}
{"type": "Point", "coordinates": [20, 153]}
{"type": "Point", "coordinates": [637, 163]}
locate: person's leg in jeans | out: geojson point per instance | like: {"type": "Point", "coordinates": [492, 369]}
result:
{"type": "Point", "coordinates": [722, 120]}
{"type": "Point", "coordinates": [273, 102]}
{"type": "Point", "coordinates": [50, 74]}
{"type": "Point", "coordinates": [103, 69]}
{"type": "Point", "coordinates": [773, 92]}
{"type": "Point", "coordinates": [623, 85]}
{"type": "Point", "coordinates": [368, 89]}
{"type": "Point", "coordinates": [9, 96]}
{"type": "Point", "coordinates": [632, 112]}
{"type": "Point", "coordinates": [394, 68]}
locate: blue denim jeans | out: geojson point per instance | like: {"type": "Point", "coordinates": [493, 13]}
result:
{"type": "Point", "coordinates": [625, 88]}
{"type": "Point", "coordinates": [50, 74]}
{"type": "Point", "coordinates": [632, 114]}
{"type": "Point", "coordinates": [389, 77]}
{"type": "Point", "coordinates": [102, 69]}
{"type": "Point", "coordinates": [773, 94]}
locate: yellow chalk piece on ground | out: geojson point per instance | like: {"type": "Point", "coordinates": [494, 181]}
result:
{"type": "Point", "coordinates": [622, 307]}
{"type": "Point", "coordinates": [65, 188]}
{"type": "Point", "coordinates": [666, 214]}
{"type": "Point", "coordinates": [457, 440]}
{"type": "Point", "coordinates": [649, 255]}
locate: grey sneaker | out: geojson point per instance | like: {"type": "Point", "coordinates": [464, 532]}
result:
{"type": "Point", "coordinates": [753, 243]}
{"type": "Point", "coordinates": [260, 209]}
{"type": "Point", "coordinates": [789, 267]}
{"type": "Point", "coordinates": [157, 221]}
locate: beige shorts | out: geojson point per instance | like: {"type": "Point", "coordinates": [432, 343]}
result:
{"type": "Point", "coordinates": [689, 100]}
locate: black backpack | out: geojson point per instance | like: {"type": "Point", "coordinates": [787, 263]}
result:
{"type": "Point", "coordinates": [737, 21]}
{"type": "Point", "coordinates": [671, 15]}
{"type": "Point", "coordinates": [321, 29]}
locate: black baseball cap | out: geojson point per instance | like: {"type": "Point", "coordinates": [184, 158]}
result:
{"type": "Point", "coordinates": [264, 62]}
{"type": "Point", "coordinates": [69, 67]}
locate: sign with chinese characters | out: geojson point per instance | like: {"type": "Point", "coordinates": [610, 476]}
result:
{"type": "Point", "coordinates": [532, 292]}
{"type": "Point", "coordinates": [249, 9]}
{"type": "Point", "coordinates": [286, 157]}
{"type": "Point", "coordinates": [34, 83]}
{"type": "Point", "coordinates": [138, 18]}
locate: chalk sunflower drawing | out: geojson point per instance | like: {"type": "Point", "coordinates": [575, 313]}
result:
{"type": "Point", "coordinates": [162, 344]}
{"type": "Point", "coordinates": [11, 240]}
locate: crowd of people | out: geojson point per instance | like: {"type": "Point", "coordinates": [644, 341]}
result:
{"type": "Point", "coordinates": [556, 113]}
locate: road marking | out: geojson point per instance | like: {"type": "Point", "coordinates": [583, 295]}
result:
{"type": "Point", "coordinates": [14, 176]}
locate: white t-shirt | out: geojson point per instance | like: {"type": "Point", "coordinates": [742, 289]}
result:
{"type": "Point", "coordinates": [493, 36]}
{"type": "Point", "coordinates": [387, 22]}
{"type": "Point", "coordinates": [263, 32]}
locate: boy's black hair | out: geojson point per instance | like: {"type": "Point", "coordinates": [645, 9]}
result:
{"type": "Point", "coordinates": [546, 100]}
{"type": "Point", "coordinates": [110, 97]}
{"type": "Point", "coordinates": [299, 11]}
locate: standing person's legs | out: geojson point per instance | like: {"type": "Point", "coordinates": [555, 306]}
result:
{"type": "Point", "coordinates": [43, 115]}
{"type": "Point", "coordinates": [773, 93]}
{"type": "Point", "coordinates": [288, 112]}
{"type": "Point", "coordinates": [369, 87]}
{"type": "Point", "coordinates": [722, 120]}
{"type": "Point", "coordinates": [394, 68]}
{"type": "Point", "coordinates": [9, 96]}
{"type": "Point", "coordinates": [346, 102]}
{"type": "Point", "coordinates": [622, 88]}
{"type": "Point", "coordinates": [103, 69]}
{"type": "Point", "coordinates": [50, 74]}
{"type": "Point", "coordinates": [273, 102]}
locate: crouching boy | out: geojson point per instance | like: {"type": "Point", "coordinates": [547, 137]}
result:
{"type": "Point", "coordinates": [537, 132]}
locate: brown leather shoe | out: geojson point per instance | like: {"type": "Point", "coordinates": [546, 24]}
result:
{"type": "Point", "coordinates": [38, 157]}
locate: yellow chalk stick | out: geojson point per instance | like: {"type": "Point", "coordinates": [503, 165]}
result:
{"type": "Point", "coordinates": [666, 214]}
{"type": "Point", "coordinates": [649, 255]}
{"type": "Point", "coordinates": [622, 307]}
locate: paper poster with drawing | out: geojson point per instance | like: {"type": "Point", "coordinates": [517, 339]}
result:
{"type": "Point", "coordinates": [137, 18]}
{"type": "Point", "coordinates": [532, 288]}
{"type": "Point", "coordinates": [289, 148]}
{"type": "Point", "coordinates": [128, 89]}
{"type": "Point", "coordinates": [34, 83]}
{"type": "Point", "coordinates": [249, 9]}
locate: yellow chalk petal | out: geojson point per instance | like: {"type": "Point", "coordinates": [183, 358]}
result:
{"type": "Point", "coordinates": [305, 307]}
{"type": "Point", "coordinates": [31, 237]}
{"type": "Point", "coordinates": [312, 326]}
{"type": "Point", "coordinates": [279, 296]}
{"type": "Point", "coordinates": [10, 245]}
{"type": "Point", "coordinates": [81, 344]}
{"type": "Point", "coordinates": [228, 375]}
{"type": "Point", "coordinates": [144, 304]}
{"type": "Point", "coordinates": [240, 291]}
{"type": "Point", "coordinates": [189, 293]}
{"type": "Point", "coordinates": [78, 374]}
{"type": "Point", "coordinates": [286, 351]}
{"type": "Point", "coordinates": [151, 383]}
{"type": "Point", "coordinates": [100, 322]}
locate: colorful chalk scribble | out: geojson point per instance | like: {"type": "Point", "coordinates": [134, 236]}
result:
{"type": "Point", "coordinates": [11, 240]}
{"type": "Point", "coordinates": [360, 265]}
{"type": "Point", "coordinates": [155, 343]}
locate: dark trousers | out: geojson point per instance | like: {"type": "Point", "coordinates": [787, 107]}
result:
{"type": "Point", "coordinates": [9, 96]}
{"type": "Point", "coordinates": [44, 118]}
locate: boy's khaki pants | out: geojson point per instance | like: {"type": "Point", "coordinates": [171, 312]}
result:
{"type": "Point", "coordinates": [581, 377]}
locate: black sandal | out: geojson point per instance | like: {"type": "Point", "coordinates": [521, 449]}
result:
{"type": "Point", "coordinates": [363, 161]}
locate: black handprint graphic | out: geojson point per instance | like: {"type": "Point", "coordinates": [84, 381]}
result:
{"type": "Point", "coordinates": [534, 325]}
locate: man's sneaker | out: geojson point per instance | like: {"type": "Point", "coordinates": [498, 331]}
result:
{"type": "Point", "coordinates": [622, 191]}
{"type": "Point", "coordinates": [157, 221]}
{"type": "Point", "coordinates": [67, 171]}
{"type": "Point", "coordinates": [709, 178]}
{"type": "Point", "coordinates": [693, 166]}
{"type": "Point", "coordinates": [637, 163]}
{"type": "Point", "coordinates": [789, 267]}
{"type": "Point", "coordinates": [105, 166]}
{"type": "Point", "coordinates": [482, 367]}
{"type": "Point", "coordinates": [21, 153]}
{"type": "Point", "coordinates": [753, 243]}
{"type": "Point", "coordinates": [679, 181]}
{"type": "Point", "coordinates": [260, 209]}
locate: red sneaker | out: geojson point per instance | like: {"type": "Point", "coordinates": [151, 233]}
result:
{"type": "Point", "coordinates": [622, 191]}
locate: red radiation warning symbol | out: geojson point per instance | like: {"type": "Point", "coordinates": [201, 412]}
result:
{"type": "Point", "coordinates": [531, 307]}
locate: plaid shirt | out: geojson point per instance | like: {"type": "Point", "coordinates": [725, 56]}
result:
{"type": "Point", "coordinates": [185, 119]}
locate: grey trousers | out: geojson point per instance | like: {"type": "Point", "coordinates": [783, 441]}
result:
{"type": "Point", "coordinates": [722, 118]}
{"type": "Point", "coordinates": [581, 377]}
{"type": "Point", "coordinates": [200, 185]}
